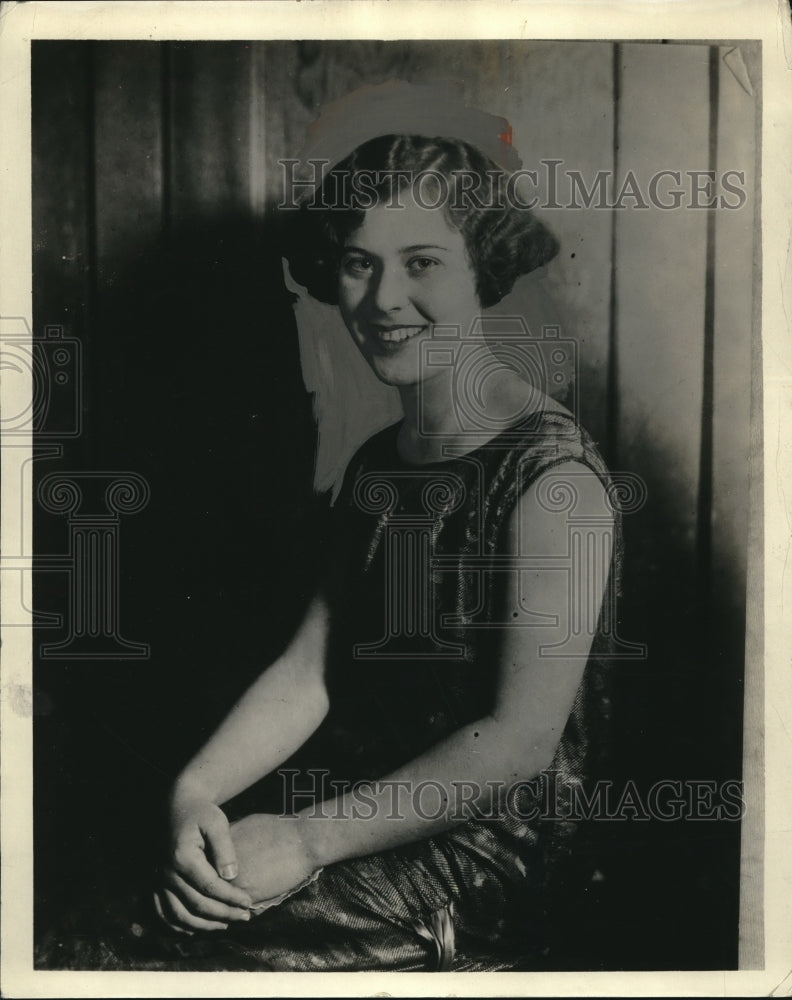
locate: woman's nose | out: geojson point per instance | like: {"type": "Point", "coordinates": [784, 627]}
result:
{"type": "Point", "coordinates": [388, 292]}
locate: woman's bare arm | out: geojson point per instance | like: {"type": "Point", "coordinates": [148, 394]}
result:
{"type": "Point", "coordinates": [274, 717]}
{"type": "Point", "coordinates": [272, 720]}
{"type": "Point", "coordinates": [511, 743]}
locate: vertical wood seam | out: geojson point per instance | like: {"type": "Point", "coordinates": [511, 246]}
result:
{"type": "Point", "coordinates": [612, 379]}
{"type": "Point", "coordinates": [704, 505]}
{"type": "Point", "coordinates": [257, 152]}
{"type": "Point", "coordinates": [166, 138]}
{"type": "Point", "coordinates": [91, 276]}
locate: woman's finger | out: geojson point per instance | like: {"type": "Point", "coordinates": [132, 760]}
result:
{"type": "Point", "coordinates": [161, 914]}
{"type": "Point", "coordinates": [176, 912]}
{"type": "Point", "coordinates": [192, 865]}
{"type": "Point", "coordinates": [202, 905]}
{"type": "Point", "coordinates": [221, 848]}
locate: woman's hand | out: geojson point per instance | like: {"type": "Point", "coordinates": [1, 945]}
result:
{"type": "Point", "coordinates": [196, 891]}
{"type": "Point", "coordinates": [272, 856]}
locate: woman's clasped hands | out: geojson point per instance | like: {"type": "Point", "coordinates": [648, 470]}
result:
{"type": "Point", "coordinates": [217, 872]}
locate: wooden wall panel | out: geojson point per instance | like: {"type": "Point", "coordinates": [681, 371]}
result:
{"type": "Point", "coordinates": [210, 102]}
{"type": "Point", "coordinates": [128, 151]}
{"type": "Point", "coordinates": [679, 704]}
{"type": "Point", "coordinates": [660, 269]}
{"type": "Point", "coordinates": [260, 136]}
{"type": "Point", "coordinates": [62, 195]}
{"type": "Point", "coordinates": [734, 677]}
{"type": "Point", "coordinates": [128, 132]}
{"type": "Point", "coordinates": [285, 121]}
{"type": "Point", "coordinates": [561, 115]}
{"type": "Point", "coordinates": [734, 277]}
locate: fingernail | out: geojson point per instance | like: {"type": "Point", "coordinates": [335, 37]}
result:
{"type": "Point", "coordinates": [228, 872]}
{"type": "Point", "coordinates": [246, 915]}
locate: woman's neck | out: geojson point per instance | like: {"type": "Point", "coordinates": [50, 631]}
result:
{"type": "Point", "coordinates": [430, 418]}
{"type": "Point", "coordinates": [430, 407]}
{"type": "Point", "coordinates": [436, 416]}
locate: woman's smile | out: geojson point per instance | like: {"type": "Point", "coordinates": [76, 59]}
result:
{"type": "Point", "coordinates": [395, 335]}
{"type": "Point", "coordinates": [404, 271]}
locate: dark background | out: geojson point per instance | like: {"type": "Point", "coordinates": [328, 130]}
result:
{"type": "Point", "coordinates": [154, 247]}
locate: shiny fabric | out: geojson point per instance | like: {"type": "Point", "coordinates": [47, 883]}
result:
{"type": "Point", "coordinates": [417, 600]}
{"type": "Point", "coordinates": [416, 610]}
{"type": "Point", "coordinates": [436, 905]}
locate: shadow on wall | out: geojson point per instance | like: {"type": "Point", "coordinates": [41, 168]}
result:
{"type": "Point", "coordinates": [193, 382]}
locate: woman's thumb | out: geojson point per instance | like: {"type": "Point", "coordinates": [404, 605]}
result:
{"type": "Point", "coordinates": [228, 871]}
{"type": "Point", "coordinates": [223, 853]}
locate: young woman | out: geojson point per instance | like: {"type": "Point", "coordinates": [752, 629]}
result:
{"type": "Point", "coordinates": [451, 660]}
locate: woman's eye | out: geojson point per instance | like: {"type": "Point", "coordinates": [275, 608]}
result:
{"type": "Point", "coordinates": [420, 264]}
{"type": "Point", "coordinates": [357, 265]}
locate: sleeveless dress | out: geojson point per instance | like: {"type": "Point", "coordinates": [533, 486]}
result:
{"type": "Point", "coordinates": [417, 607]}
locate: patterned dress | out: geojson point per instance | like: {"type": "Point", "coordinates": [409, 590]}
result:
{"type": "Point", "coordinates": [417, 601]}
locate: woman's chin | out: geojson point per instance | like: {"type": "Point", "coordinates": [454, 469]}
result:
{"type": "Point", "coordinates": [396, 371]}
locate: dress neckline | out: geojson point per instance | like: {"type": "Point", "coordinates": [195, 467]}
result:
{"type": "Point", "coordinates": [513, 430]}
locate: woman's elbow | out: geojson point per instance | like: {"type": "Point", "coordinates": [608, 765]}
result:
{"type": "Point", "coordinates": [322, 703]}
{"type": "Point", "coordinates": [523, 757]}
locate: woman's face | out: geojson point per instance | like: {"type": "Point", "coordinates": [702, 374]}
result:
{"type": "Point", "coordinates": [403, 271]}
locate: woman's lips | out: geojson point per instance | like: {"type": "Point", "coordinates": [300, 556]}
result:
{"type": "Point", "coordinates": [397, 334]}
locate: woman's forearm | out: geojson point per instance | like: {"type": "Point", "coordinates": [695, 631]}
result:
{"type": "Point", "coordinates": [274, 717]}
{"type": "Point", "coordinates": [459, 776]}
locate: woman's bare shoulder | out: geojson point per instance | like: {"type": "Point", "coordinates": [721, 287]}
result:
{"type": "Point", "coordinates": [568, 491]}
{"type": "Point", "coordinates": [511, 394]}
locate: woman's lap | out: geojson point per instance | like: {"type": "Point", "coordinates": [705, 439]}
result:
{"type": "Point", "coordinates": [459, 896]}
{"type": "Point", "coordinates": [401, 909]}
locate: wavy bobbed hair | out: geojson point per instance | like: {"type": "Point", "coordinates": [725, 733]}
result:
{"type": "Point", "coordinates": [503, 240]}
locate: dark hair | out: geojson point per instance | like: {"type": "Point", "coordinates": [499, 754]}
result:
{"type": "Point", "coordinates": [503, 240]}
